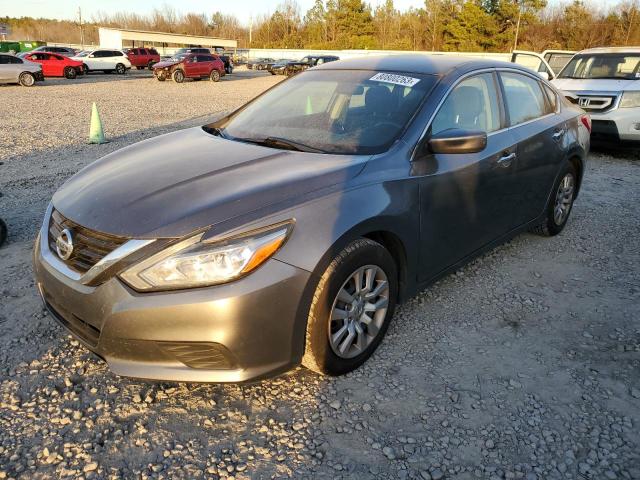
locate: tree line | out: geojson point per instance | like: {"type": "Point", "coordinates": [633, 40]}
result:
{"type": "Point", "coordinates": [441, 25]}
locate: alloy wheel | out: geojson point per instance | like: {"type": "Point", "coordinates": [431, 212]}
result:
{"type": "Point", "coordinates": [358, 311]}
{"type": "Point", "coordinates": [564, 199]}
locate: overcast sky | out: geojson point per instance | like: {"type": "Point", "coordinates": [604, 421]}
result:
{"type": "Point", "coordinates": [243, 9]}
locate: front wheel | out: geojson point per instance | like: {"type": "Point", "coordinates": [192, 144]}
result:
{"type": "Point", "coordinates": [560, 204]}
{"type": "Point", "coordinates": [178, 76]}
{"type": "Point", "coordinates": [214, 76]}
{"type": "Point", "coordinates": [70, 73]}
{"type": "Point", "coordinates": [351, 308]}
{"type": "Point", "coordinates": [121, 69]}
{"type": "Point", "coordinates": [27, 79]}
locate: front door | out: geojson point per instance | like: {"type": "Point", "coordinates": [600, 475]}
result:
{"type": "Point", "coordinates": [465, 198]}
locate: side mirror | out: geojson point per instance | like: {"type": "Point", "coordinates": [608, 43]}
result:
{"type": "Point", "coordinates": [545, 75]}
{"type": "Point", "coordinates": [91, 56]}
{"type": "Point", "coordinates": [456, 140]}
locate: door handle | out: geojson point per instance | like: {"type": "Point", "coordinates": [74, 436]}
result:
{"type": "Point", "coordinates": [559, 134]}
{"type": "Point", "coordinates": [506, 160]}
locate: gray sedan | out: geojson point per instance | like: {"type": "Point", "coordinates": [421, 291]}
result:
{"type": "Point", "coordinates": [287, 232]}
{"type": "Point", "coordinates": [17, 70]}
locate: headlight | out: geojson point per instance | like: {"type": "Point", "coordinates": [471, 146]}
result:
{"type": "Point", "coordinates": [193, 263]}
{"type": "Point", "coordinates": [630, 100]}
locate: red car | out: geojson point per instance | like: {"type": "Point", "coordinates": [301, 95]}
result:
{"type": "Point", "coordinates": [193, 65]}
{"type": "Point", "coordinates": [54, 65]}
{"type": "Point", "coordinates": [143, 57]}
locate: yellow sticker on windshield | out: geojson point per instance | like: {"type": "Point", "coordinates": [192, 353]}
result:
{"type": "Point", "coordinates": [395, 79]}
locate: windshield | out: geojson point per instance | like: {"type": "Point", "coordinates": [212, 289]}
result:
{"type": "Point", "coordinates": [604, 65]}
{"type": "Point", "coordinates": [84, 53]}
{"type": "Point", "coordinates": [354, 112]}
{"type": "Point", "coordinates": [179, 56]}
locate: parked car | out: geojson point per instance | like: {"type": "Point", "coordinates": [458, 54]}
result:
{"type": "Point", "coordinates": [195, 66]}
{"type": "Point", "coordinates": [218, 51]}
{"type": "Point", "coordinates": [143, 57]}
{"type": "Point", "coordinates": [54, 65]}
{"type": "Point", "coordinates": [547, 64]}
{"type": "Point", "coordinates": [64, 51]}
{"type": "Point", "coordinates": [104, 60]}
{"type": "Point", "coordinates": [309, 61]}
{"type": "Point", "coordinates": [17, 70]}
{"type": "Point", "coordinates": [255, 63]}
{"type": "Point", "coordinates": [606, 83]}
{"type": "Point", "coordinates": [287, 231]}
{"type": "Point", "coordinates": [263, 64]}
{"type": "Point", "coordinates": [277, 64]}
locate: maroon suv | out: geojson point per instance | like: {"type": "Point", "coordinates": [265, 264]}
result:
{"type": "Point", "coordinates": [143, 57]}
{"type": "Point", "coordinates": [193, 65]}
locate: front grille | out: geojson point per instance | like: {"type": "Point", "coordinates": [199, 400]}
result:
{"type": "Point", "coordinates": [594, 103]}
{"type": "Point", "coordinates": [200, 355]}
{"type": "Point", "coordinates": [89, 246]}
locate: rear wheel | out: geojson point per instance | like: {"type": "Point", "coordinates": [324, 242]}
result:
{"type": "Point", "coordinates": [27, 79]}
{"type": "Point", "coordinates": [70, 73]}
{"type": "Point", "coordinates": [178, 76]}
{"type": "Point", "coordinates": [85, 68]}
{"type": "Point", "coordinates": [161, 76]}
{"type": "Point", "coordinates": [560, 204]}
{"type": "Point", "coordinates": [150, 65]}
{"type": "Point", "coordinates": [214, 76]}
{"type": "Point", "coordinates": [121, 69]}
{"type": "Point", "coordinates": [351, 308]}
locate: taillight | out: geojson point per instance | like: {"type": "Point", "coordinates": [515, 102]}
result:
{"type": "Point", "coordinates": [586, 121]}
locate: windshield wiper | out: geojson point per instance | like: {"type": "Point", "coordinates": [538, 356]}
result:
{"type": "Point", "coordinates": [214, 131]}
{"type": "Point", "coordinates": [278, 142]}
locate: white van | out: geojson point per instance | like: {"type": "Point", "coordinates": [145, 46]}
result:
{"type": "Point", "coordinates": [104, 60]}
{"type": "Point", "coordinates": [605, 82]}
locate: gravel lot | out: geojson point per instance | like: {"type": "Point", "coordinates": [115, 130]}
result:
{"type": "Point", "coordinates": [524, 364]}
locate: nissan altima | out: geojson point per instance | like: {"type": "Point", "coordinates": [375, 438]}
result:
{"type": "Point", "coordinates": [287, 232]}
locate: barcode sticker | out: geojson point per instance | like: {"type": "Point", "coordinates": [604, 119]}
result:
{"type": "Point", "coordinates": [395, 79]}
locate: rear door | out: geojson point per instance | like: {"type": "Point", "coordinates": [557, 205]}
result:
{"type": "Point", "coordinates": [540, 134]}
{"type": "Point", "coordinates": [6, 70]}
{"type": "Point", "coordinates": [465, 198]}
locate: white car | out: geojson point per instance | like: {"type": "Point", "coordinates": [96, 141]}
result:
{"type": "Point", "coordinates": [605, 82]}
{"type": "Point", "coordinates": [104, 60]}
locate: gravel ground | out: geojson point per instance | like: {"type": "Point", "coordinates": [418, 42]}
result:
{"type": "Point", "coordinates": [524, 364]}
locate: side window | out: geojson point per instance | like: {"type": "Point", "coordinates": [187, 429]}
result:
{"type": "Point", "coordinates": [115, 53]}
{"type": "Point", "coordinates": [98, 54]}
{"type": "Point", "coordinates": [471, 105]}
{"type": "Point", "coordinates": [4, 59]}
{"type": "Point", "coordinates": [553, 98]}
{"type": "Point", "coordinates": [15, 60]}
{"type": "Point", "coordinates": [524, 98]}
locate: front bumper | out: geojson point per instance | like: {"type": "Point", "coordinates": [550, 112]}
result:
{"type": "Point", "coordinates": [621, 124]}
{"type": "Point", "coordinates": [241, 331]}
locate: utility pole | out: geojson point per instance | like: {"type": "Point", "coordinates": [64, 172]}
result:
{"type": "Point", "coordinates": [515, 42]}
{"type": "Point", "coordinates": [250, 29]}
{"type": "Point", "coordinates": [81, 29]}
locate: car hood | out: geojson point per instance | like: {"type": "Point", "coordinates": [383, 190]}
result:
{"type": "Point", "coordinates": [595, 85]}
{"type": "Point", "coordinates": [166, 63]}
{"type": "Point", "coordinates": [171, 185]}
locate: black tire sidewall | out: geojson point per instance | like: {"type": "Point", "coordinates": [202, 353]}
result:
{"type": "Point", "coordinates": [369, 253]}
{"type": "Point", "coordinates": [214, 76]}
{"type": "Point", "coordinates": [3, 232]}
{"type": "Point", "coordinates": [120, 66]}
{"type": "Point", "coordinates": [70, 73]}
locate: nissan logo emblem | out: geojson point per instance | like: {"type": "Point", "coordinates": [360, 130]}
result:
{"type": "Point", "coordinates": [64, 244]}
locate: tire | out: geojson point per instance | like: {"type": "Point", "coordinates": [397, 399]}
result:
{"type": "Point", "coordinates": [272, 72]}
{"type": "Point", "coordinates": [321, 354]}
{"type": "Point", "coordinates": [560, 203]}
{"type": "Point", "coordinates": [27, 79]}
{"type": "Point", "coordinates": [150, 66]}
{"type": "Point", "coordinates": [3, 232]}
{"type": "Point", "coordinates": [178, 76]}
{"type": "Point", "coordinates": [85, 68]}
{"type": "Point", "coordinates": [70, 73]}
{"type": "Point", "coordinates": [289, 73]}
{"type": "Point", "coordinates": [161, 77]}
{"type": "Point", "coordinates": [139, 68]}
{"type": "Point", "coordinates": [120, 69]}
{"type": "Point", "coordinates": [214, 76]}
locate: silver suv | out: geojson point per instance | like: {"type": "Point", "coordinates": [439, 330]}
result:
{"type": "Point", "coordinates": [18, 70]}
{"type": "Point", "coordinates": [605, 82]}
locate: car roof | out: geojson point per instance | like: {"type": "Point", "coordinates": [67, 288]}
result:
{"type": "Point", "coordinates": [610, 50]}
{"type": "Point", "coordinates": [428, 64]}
